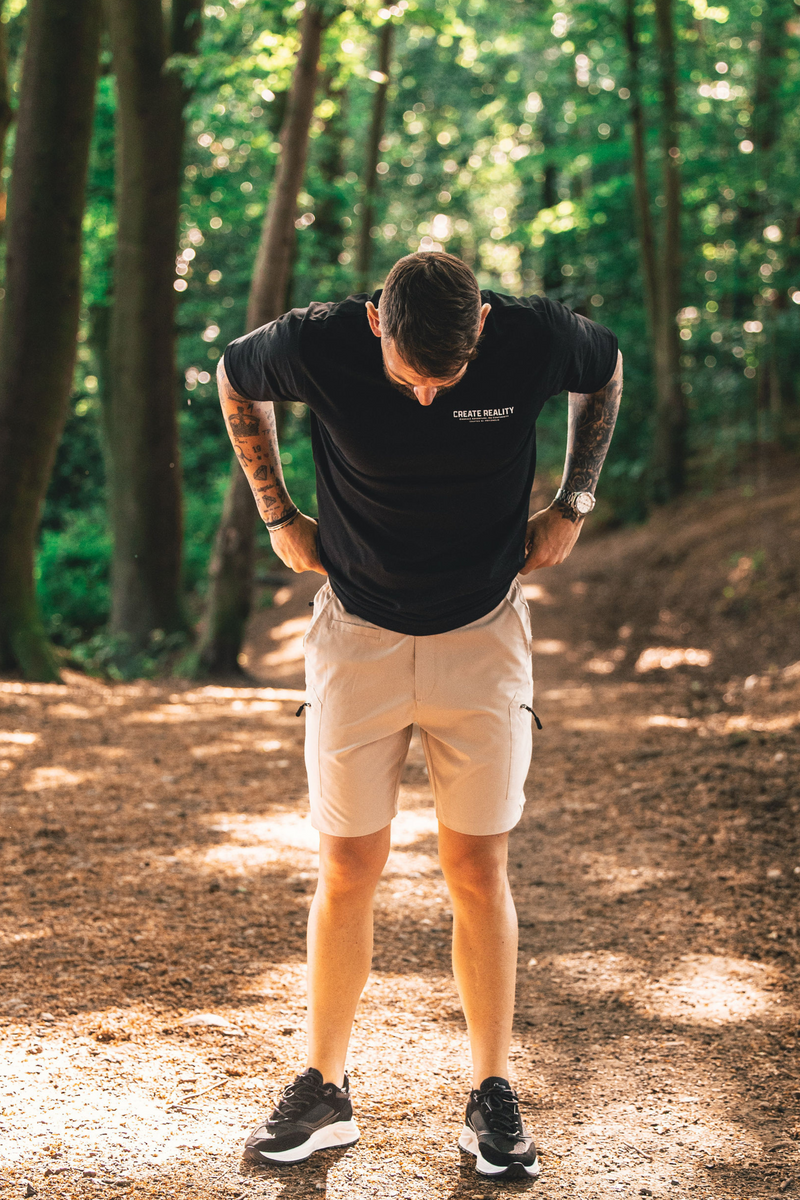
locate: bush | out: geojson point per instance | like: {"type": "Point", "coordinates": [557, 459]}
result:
{"type": "Point", "coordinates": [72, 573]}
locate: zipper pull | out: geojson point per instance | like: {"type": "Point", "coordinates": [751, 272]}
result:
{"type": "Point", "coordinates": [528, 708]}
{"type": "Point", "coordinates": [305, 704]}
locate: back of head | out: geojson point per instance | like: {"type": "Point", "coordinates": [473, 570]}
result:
{"type": "Point", "coordinates": [430, 308]}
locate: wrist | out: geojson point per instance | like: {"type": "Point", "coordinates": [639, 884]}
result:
{"type": "Point", "coordinates": [287, 517]}
{"type": "Point", "coordinates": [573, 503]}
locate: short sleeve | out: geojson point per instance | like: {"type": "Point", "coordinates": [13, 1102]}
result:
{"type": "Point", "coordinates": [265, 364]}
{"type": "Point", "coordinates": [584, 353]}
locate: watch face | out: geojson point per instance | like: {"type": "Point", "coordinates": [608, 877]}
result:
{"type": "Point", "coordinates": [584, 502]}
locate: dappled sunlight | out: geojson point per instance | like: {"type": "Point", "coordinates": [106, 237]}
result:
{"type": "Point", "coordinates": [176, 713]}
{"type": "Point", "coordinates": [203, 695]}
{"type": "Point", "coordinates": [74, 712]}
{"type": "Point", "coordinates": [242, 742]}
{"type": "Point", "coordinates": [33, 689]}
{"type": "Point", "coordinates": [713, 988]}
{"type": "Point", "coordinates": [700, 989]}
{"type": "Point", "coordinates": [213, 703]}
{"type": "Point", "coordinates": [600, 666]}
{"type": "Point", "coordinates": [255, 842]}
{"type": "Point", "coordinates": [291, 829]}
{"type": "Point", "coordinates": [111, 1096]}
{"type": "Point", "coordinates": [573, 697]}
{"type": "Point", "coordinates": [412, 824]}
{"type": "Point", "coordinates": [56, 777]}
{"type": "Point", "coordinates": [632, 1162]}
{"type": "Point", "coordinates": [591, 724]}
{"type": "Point", "coordinates": [535, 593]}
{"type": "Point", "coordinates": [665, 658]}
{"type": "Point", "coordinates": [623, 881]}
{"type": "Point", "coordinates": [14, 746]}
{"type": "Point", "coordinates": [762, 724]}
{"type": "Point", "coordinates": [289, 638]}
{"type": "Point", "coordinates": [548, 646]}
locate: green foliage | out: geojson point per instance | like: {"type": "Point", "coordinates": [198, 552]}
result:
{"type": "Point", "coordinates": [110, 655]}
{"type": "Point", "coordinates": [72, 575]}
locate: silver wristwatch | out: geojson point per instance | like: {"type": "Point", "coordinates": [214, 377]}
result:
{"type": "Point", "coordinates": [581, 503]}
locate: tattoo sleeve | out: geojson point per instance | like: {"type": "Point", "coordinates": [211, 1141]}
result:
{"type": "Point", "coordinates": [592, 416]}
{"type": "Point", "coordinates": [253, 432]}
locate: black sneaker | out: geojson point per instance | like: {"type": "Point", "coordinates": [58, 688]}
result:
{"type": "Point", "coordinates": [310, 1115]}
{"type": "Point", "coordinates": [494, 1133]}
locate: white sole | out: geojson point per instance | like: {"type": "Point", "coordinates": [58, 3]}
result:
{"type": "Point", "coordinates": [342, 1133]}
{"type": "Point", "coordinates": [469, 1141]}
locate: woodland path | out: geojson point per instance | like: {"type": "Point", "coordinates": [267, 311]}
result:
{"type": "Point", "coordinates": [158, 866]}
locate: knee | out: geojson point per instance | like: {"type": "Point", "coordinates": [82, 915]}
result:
{"type": "Point", "coordinates": [350, 865]}
{"type": "Point", "coordinates": [476, 876]}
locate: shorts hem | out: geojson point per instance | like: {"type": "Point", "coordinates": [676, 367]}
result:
{"type": "Point", "coordinates": [504, 827]}
{"type": "Point", "coordinates": [349, 832]}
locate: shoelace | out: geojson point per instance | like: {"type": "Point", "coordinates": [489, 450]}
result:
{"type": "Point", "coordinates": [500, 1107]}
{"type": "Point", "coordinates": [296, 1098]}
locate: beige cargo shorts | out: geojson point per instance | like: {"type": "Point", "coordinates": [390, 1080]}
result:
{"type": "Point", "coordinates": [470, 691]}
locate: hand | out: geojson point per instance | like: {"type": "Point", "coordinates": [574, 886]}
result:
{"type": "Point", "coordinates": [549, 539]}
{"type": "Point", "coordinates": [296, 545]}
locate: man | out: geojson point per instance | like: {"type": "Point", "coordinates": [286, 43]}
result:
{"type": "Point", "coordinates": [423, 405]}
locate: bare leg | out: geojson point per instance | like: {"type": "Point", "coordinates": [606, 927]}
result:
{"type": "Point", "coordinates": [484, 943]}
{"type": "Point", "coordinates": [340, 944]}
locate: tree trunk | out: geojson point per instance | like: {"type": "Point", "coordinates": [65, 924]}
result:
{"type": "Point", "coordinates": [331, 204]}
{"type": "Point", "coordinates": [644, 212]}
{"type": "Point", "coordinates": [769, 109]}
{"type": "Point", "coordinates": [140, 418]}
{"type": "Point", "coordinates": [43, 294]}
{"type": "Point", "coordinates": [6, 117]}
{"type": "Point", "coordinates": [364, 258]}
{"type": "Point", "coordinates": [669, 450]}
{"type": "Point", "coordinates": [232, 562]}
{"type": "Point", "coordinates": [552, 279]}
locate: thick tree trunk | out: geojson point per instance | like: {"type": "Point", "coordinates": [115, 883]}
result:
{"type": "Point", "coordinates": [232, 562]}
{"type": "Point", "coordinates": [140, 419]}
{"type": "Point", "coordinates": [40, 318]}
{"type": "Point", "coordinates": [669, 449]}
{"type": "Point", "coordinates": [364, 259]}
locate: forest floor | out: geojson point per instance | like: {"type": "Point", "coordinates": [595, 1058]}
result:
{"type": "Point", "coordinates": [158, 864]}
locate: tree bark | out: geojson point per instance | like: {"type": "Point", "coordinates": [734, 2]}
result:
{"type": "Point", "coordinates": [42, 305]}
{"type": "Point", "coordinates": [644, 212]}
{"type": "Point", "coordinates": [669, 448]}
{"type": "Point", "coordinates": [140, 418]}
{"type": "Point", "coordinates": [331, 204]}
{"type": "Point", "coordinates": [232, 562]}
{"type": "Point", "coordinates": [364, 259]}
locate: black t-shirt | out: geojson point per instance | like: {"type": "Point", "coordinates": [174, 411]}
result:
{"type": "Point", "coordinates": [422, 510]}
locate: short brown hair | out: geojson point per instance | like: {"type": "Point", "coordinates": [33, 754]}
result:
{"type": "Point", "coordinates": [430, 308]}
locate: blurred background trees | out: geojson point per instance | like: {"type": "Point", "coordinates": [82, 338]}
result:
{"type": "Point", "coordinates": [635, 159]}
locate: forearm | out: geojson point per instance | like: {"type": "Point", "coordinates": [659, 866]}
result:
{"type": "Point", "coordinates": [254, 436]}
{"type": "Point", "coordinates": [591, 423]}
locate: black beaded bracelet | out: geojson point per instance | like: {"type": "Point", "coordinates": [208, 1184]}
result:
{"type": "Point", "coordinates": [286, 519]}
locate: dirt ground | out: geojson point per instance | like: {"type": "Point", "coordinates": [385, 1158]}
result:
{"type": "Point", "coordinates": [158, 865]}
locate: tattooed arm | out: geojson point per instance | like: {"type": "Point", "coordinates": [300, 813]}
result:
{"type": "Point", "coordinates": [254, 436]}
{"type": "Point", "coordinates": [554, 531]}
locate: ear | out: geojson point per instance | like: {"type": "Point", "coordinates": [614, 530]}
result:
{"type": "Point", "coordinates": [485, 310]}
{"type": "Point", "coordinates": [374, 318]}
